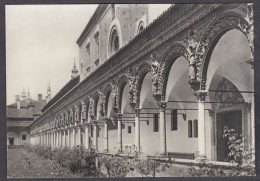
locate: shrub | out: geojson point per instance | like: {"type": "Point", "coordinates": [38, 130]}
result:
{"type": "Point", "coordinates": [241, 155]}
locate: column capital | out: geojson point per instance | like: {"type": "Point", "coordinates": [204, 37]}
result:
{"type": "Point", "coordinates": [95, 122]}
{"type": "Point", "coordinates": [162, 105]}
{"type": "Point", "coordinates": [201, 95]}
{"type": "Point", "coordinates": [137, 111]}
{"type": "Point", "coordinates": [119, 116]}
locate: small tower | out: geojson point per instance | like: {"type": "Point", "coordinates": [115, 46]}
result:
{"type": "Point", "coordinates": [74, 71]}
{"type": "Point", "coordinates": [28, 93]}
{"type": "Point", "coordinates": [24, 94]}
{"type": "Point", "coordinates": [48, 96]}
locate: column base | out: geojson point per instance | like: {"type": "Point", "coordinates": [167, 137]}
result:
{"type": "Point", "coordinates": [201, 157]}
{"type": "Point", "coordinates": [105, 151]}
{"type": "Point", "coordinates": [163, 155]}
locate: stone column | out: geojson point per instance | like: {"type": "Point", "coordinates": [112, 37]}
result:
{"type": "Point", "coordinates": [105, 136]}
{"type": "Point", "coordinates": [48, 139]}
{"type": "Point", "coordinates": [201, 95]}
{"type": "Point", "coordinates": [86, 136]}
{"type": "Point", "coordinates": [95, 137]}
{"type": "Point", "coordinates": [162, 128]}
{"type": "Point", "coordinates": [78, 136]}
{"type": "Point", "coordinates": [137, 129]}
{"type": "Point", "coordinates": [54, 135]}
{"type": "Point", "coordinates": [73, 138]}
{"type": "Point", "coordinates": [64, 138]}
{"type": "Point", "coordinates": [119, 134]}
{"type": "Point", "coordinates": [68, 139]}
{"type": "Point", "coordinates": [59, 138]}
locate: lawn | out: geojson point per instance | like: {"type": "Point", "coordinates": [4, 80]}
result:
{"type": "Point", "coordinates": [24, 164]}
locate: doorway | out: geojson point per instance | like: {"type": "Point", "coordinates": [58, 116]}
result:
{"type": "Point", "coordinates": [229, 120]}
{"type": "Point", "coordinates": [11, 141]}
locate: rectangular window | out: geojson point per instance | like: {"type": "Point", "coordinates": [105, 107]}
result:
{"type": "Point", "coordinates": [88, 50]}
{"type": "Point", "coordinates": [189, 129]}
{"type": "Point", "coordinates": [195, 127]}
{"type": "Point", "coordinates": [155, 123]}
{"type": "Point", "coordinates": [96, 36]}
{"type": "Point", "coordinates": [174, 121]}
{"type": "Point", "coordinates": [23, 137]}
{"type": "Point", "coordinates": [129, 129]}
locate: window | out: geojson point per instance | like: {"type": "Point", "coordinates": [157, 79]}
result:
{"type": "Point", "coordinates": [174, 121]}
{"type": "Point", "coordinates": [97, 62]}
{"type": "Point", "coordinates": [91, 131]}
{"type": "Point", "coordinates": [140, 27]}
{"type": "Point", "coordinates": [23, 137]}
{"type": "Point", "coordinates": [189, 128]}
{"type": "Point", "coordinates": [155, 123]}
{"type": "Point", "coordinates": [129, 129]}
{"type": "Point", "coordinates": [195, 127]}
{"type": "Point", "coordinates": [88, 50]}
{"type": "Point", "coordinates": [114, 41]}
{"type": "Point", "coordinates": [96, 36]}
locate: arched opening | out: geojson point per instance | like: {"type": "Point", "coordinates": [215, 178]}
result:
{"type": "Point", "coordinates": [12, 138]}
{"type": "Point", "coordinates": [149, 118]}
{"type": "Point", "coordinates": [230, 84]}
{"type": "Point", "coordinates": [182, 108]}
{"type": "Point", "coordinates": [114, 41]}
{"type": "Point", "coordinates": [140, 27]}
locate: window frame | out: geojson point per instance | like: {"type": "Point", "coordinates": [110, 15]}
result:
{"type": "Point", "coordinates": [190, 129]}
{"type": "Point", "coordinates": [155, 122]}
{"type": "Point", "coordinates": [174, 120]}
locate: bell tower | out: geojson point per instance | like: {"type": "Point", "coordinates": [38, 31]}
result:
{"type": "Point", "coordinates": [74, 71]}
{"type": "Point", "coordinates": [48, 96]}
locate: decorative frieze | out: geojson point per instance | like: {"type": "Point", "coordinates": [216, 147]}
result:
{"type": "Point", "coordinates": [71, 116]}
{"type": "Point", "coordinates": [83, 111]}
{"type": "Point", "coordinates": [91, 108]}
{"type": "Point", "coordinates": [76, 114]}
{"type": "Point", "coordinates": [132, 91]}
{"type": "Point", "coordinates": [248, 29]}
{"type": "Point", "coordinates": [157, 69]}
{"type": "Point", "coordinates": [101, 102]}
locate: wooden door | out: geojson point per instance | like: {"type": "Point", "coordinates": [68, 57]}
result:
{"type": "Point", "coordinates": [230, 120]}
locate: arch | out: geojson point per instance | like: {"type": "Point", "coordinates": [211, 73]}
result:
{"type": "Point", "coordinates": [142, 71]}
{"type": "Point", "coordinates": [122, 81]}
{"type": "Point", "coordinates": [175, 51]}
{"type": "Point", "coordinates": [95, 97]}
{"type": "Point", "coordinates": [229, 57]}
{"type": "Point", "coordinates": [114, 28]}
{"type": "Point", "coordinates": [12, 137]}
{"type": "Point", "coordinates": [216, 29]}
{"type": "Point", "coordinates": [107, 91]}
{"type": "Point", "coordinates": [141, 27]}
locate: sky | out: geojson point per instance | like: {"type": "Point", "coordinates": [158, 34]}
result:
{"type": "Point", "coordinates": [41, 45]}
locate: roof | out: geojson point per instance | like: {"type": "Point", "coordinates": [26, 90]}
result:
{"type": "Point", "coordinates": [72, 83]}
{"type": "Point", "coordinates": [25, 111]}
{"type": "Point", "coordinates": [92, 23]}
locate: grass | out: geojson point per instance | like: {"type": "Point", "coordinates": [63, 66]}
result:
{"type": "Point", "coordinates": [24, 164]}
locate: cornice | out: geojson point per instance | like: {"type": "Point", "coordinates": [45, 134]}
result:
{"type": "Point", "coordinates": [92, 23]}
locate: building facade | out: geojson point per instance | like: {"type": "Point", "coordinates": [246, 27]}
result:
{"type": "Point", "coordinates": [170, 87]}
{"type": "Point", "coordinates": [20, 115]}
